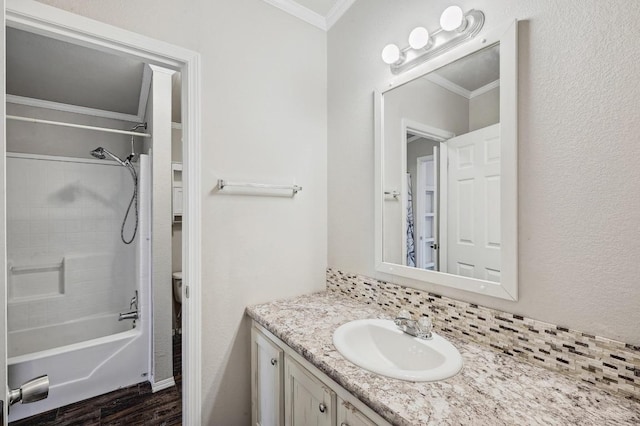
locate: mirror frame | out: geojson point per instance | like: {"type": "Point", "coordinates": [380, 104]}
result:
{"type": "Point", "coordinates": [507, 37]}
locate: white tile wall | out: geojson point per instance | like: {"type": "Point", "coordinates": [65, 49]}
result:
{"type": "Point", "coordinates": [71, 211]}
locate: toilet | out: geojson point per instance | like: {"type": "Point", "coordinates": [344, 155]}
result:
{"type": "Point", "coordinates": [177, 286]}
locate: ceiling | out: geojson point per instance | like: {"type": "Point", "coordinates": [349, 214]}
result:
{"type": "Point", "coordinates": [474, 71]}
{"type": "Point", "coordinates": [472, 75]}
{"type": "Point", "coordinates": [49, 73]}
{"type": "Point", "coordinates": [320, 13]}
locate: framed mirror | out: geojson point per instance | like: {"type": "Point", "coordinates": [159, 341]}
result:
{"type": "Point", "coordinates": [446, 169]}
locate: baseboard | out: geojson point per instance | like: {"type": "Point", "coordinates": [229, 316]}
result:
{"type": "Point", "coordinates": [162, 384]}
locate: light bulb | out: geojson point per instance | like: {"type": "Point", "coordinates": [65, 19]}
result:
{"type": "Point", "coordinates": [390, 54]}
{"type": "Point", "coordinates": [419, 38]}
{"type": "Point", "coordinates": [452, 18]}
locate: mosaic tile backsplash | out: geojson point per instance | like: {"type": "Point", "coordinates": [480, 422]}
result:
{"type": "Point", "coordinates": [605, 363]}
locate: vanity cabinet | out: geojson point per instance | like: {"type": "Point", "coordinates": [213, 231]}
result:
{"type": "Point", "coordinates": [286, 389]}
{"type": "Point", "coordinates": [307, 400]}
{"type": "Point", "coordinates": [267, 401]}
{"type": "Point", "coordinates": [348, 415]}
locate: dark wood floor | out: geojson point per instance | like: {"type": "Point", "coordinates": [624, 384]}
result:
{"type": "Point", "coordinates": [135, 405]}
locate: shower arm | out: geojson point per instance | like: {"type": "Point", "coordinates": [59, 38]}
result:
{"type": "Point", "coordinates": [136, 127]}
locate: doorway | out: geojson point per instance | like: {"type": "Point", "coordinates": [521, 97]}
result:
{"type": "Point", "coordinates": [38, 19]}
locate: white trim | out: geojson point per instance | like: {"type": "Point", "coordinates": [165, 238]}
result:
{"type": "Point", "coordinates": [49, 21]}
{"type": "Point", "coordinates": [449, 85]}
{"type": "Point", "coordinates": [162, 384]}
{"type": "Point", "coordinates": [336, 12]}
{"type": "Point", "coordinates": [317, 20]}
{"type": "Point", "coordinates": [425, 131]}
{"type": "Point", "coordinates": [58, 106]}
{"type": "Point", "coordinates": [484, 89]}
{"type": "Point", "coordinates": [191, 243]}
{"type": "Point", "coordinates": [162, 70]}
{"type": "Point", "coordinates": [300, 12]}
{"type": "Point", "coordinates": [145, 89]}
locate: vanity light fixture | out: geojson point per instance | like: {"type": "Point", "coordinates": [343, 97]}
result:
{"type": "Point", "coordinates": [456, 27]}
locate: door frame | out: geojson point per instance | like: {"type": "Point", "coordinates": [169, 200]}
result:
{"type": "Point", "coordinates": [428, 132]}
{"type": "Point", "coordinates": [55, 23]}
{"type": "Point", "coordinates": [420, 206]}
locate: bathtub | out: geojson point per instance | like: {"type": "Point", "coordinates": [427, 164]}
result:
{"type": "Point", "coordinates": [94, 354]}
{"type": "Point", "coordinates": [116, 356]}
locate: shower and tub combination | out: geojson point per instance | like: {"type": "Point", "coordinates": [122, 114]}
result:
{"type": "Point", "coordinates": [79, 274]}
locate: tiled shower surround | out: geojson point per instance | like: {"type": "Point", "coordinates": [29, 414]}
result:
{"type": "Point", "coordinates": [64, 253]}
{"type": "Point", "coordinates": [605, 363]}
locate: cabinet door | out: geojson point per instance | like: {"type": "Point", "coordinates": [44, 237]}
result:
{"type": "Point", "coordinates": [348, 415]}
{"type": "Point", "coordinates": [308, 402]}
{"type": "Point", "coordinates": [267, 377]}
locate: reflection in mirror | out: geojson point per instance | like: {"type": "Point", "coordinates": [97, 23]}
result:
{"type": "Point", "coordinates": [441, 152]}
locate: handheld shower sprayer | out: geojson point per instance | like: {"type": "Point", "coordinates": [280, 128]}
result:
{"type": "Point", "coordinates": [101, 154]}
{"type": "Point", "coordinates": [98, 153]}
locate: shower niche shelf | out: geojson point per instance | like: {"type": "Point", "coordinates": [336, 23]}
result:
{"type": "Point", "coordinates": [35, 281]}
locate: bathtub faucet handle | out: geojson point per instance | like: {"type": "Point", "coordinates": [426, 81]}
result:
{"type": "Point", "coordinates": [134, 301]}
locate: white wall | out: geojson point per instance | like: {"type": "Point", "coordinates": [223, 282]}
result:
{"type": "Point", "coordinates": [578, 152]}
{"type": "Point", "coordinates": [264, 115]}
{"type": "Point", "coordinates": [484, 110]}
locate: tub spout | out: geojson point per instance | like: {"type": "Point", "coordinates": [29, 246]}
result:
{"type": "Point", "coordinates": [128, 315]}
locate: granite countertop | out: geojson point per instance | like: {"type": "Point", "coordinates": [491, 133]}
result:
{"type": "Point", "coordinates": [492, 389]}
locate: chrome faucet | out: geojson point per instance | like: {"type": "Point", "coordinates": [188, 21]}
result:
{"type": "Point", "coordinates": [133, 314]}
{"type": "Point", "coordinates": [128, 315]}
{"type": "Point", "coordinates": [422, 328]}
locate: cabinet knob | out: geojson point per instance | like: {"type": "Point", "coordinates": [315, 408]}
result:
{"type": "Point", "coordinates": [322, 407]}
{"type": "Point", "coordinates": [274, 361]}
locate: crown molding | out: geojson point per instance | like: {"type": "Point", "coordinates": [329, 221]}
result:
{"type": "Point", "coordinates": [337, 11]}
{"type": "Point", "coordinates": [301, 12]}
{"type": "Point", "coordinates": [459, 90]}
{"type": "Point", "coordinates": [311, 17]}
{"type": "Point", "coordinates": [486, 88]}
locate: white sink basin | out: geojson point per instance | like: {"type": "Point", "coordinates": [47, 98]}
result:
{"type": "Point", "coordinates": [379, 346]}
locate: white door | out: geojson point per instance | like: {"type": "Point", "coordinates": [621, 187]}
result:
{"type": "Point", "coordinates": [473, 217]}
{"type": "Point", "coordinates": [427, 212]}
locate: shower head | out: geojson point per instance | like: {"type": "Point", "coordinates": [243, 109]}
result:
{"type": "Point", "coordinates": [100, 153]}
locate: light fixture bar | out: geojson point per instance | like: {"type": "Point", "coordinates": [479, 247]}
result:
{"type": "Point", "coordinates": [440, 41]}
